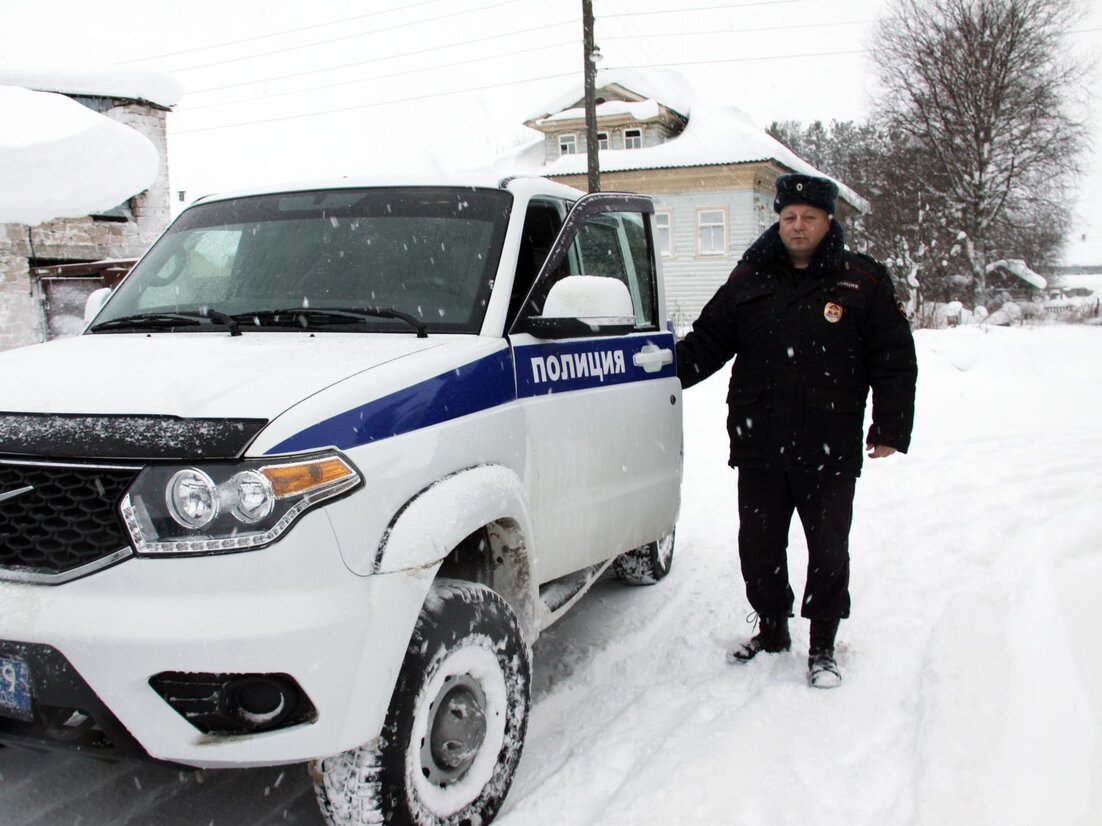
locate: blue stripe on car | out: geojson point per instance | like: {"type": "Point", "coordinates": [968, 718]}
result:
{"type": "Point", "coordinates": [477, 386]}
{"type": "Point", "coordinates": [548, 367]}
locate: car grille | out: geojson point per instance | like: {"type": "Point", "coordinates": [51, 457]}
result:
{"type": "Point", "coordinates": [57, 521]}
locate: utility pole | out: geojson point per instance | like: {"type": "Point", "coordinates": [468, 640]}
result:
{"type": "Point", "coordinates": [592, 162]}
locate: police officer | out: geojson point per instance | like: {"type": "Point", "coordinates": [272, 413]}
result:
{"type": "Point", "coordinates": [812, 328]}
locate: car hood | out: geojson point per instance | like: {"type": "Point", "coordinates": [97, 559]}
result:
{"type": "Point", "coordinates": [190, 375]}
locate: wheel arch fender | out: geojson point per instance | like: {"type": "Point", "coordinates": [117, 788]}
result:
{"type": "Point", "coordinates": [442, 515]}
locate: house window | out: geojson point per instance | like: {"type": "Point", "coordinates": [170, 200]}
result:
{"type": "Point", "coordinates": [602, 140]}
{"type": "Point", "coordinates": [633, 139]}
{"type": "Point", "coordinates": [568, 144]}
{"type": "Point", "coordinates": [712, 231]}
{"type": "Point", "coordinates": [663, 233]}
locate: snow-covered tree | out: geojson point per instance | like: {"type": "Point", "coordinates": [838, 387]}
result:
{"type": "Point", "coordinates": [984, 88]}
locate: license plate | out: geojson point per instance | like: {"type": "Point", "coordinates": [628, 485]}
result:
{"type": "Point", "coordinates": [15, 689]}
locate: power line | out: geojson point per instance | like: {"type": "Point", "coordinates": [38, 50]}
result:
{"type": "Point", "coordinates": [499, 36]}
{"type": "Point", "coordinates": [748, 59]}
{"type": "Point", "coordinates": [354, 36]}
{"type": "Point", "coordinates": [379, 59]}
{"type": "Point", "coordinates": [333, 85]}
{"type": "Point", "coordinates": [625, 23]}
{"type": "Point", "coordinates": [431, 95]}
{"type": "Point", "coordinates": [400, 26]}
{"type": "Point", "coordinates": [373, 105]}
{"type": "Point", "coordinates": [404, 7]}
{"type": "Point", "coordinates": [701, 8]}
{"type": "Point", "coordinates": [785, 27]}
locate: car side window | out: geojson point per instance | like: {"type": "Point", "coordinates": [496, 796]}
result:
{"type": "Point", "coordinates": [542, 223]}
{"type": "Point", "coordinates": [603, 236]}
{"type": "Point", "coordinates": [614, 245]}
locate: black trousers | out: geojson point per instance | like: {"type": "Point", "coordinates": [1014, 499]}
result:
{"type": "Point", "coordinates": [766, 499]}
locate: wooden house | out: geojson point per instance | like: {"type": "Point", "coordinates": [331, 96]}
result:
{"type": "Point", "coordinates": [710, 170]}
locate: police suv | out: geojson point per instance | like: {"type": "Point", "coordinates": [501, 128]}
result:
{"type": "Point", "coordinates": [320, 470]}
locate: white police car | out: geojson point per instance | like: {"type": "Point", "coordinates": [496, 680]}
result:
{"type": "Point", "coordinates": [318, 473]}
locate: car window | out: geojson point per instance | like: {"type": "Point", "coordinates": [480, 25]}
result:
{"type": "Point", "coordinates": [615, 245]}
{"type": "Point", "coordinates": [428, 252]}
{"type": "Point", "coordinates": [542, 222]}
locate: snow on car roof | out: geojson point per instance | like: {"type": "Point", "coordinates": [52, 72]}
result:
{"type": "Point", "coordinates": [520, 185]}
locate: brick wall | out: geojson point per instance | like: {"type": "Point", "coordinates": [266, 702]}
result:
{"type": "Point", "coordinates": [21, 313]}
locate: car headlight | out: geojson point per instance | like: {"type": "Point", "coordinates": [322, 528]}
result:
{"type": "Point", "coordinates": [224, 507]}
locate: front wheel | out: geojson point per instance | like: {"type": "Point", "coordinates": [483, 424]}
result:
{"type": "Point", "coordinates": [456, 724]}
{"type": "Point", "coordinates": [646, 565]}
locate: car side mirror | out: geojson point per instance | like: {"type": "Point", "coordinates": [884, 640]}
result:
{"type": "Point", "coordinates": [583, 305]}
{"type": "Point", "coordinates": [95, 302]}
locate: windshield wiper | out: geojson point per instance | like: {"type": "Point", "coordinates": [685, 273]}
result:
{"type": "Point", "coordinates": [318, 316]}
{"type": "Point", "coordinates": [169, 320]}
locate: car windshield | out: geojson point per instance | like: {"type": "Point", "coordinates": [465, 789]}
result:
{"type": "Point", "coordinates": [382, 260]}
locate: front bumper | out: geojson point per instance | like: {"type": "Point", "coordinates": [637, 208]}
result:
{"type": "Point", "coordinates": [292, 608]}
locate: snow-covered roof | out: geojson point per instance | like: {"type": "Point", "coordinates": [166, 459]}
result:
{"type": "Point", "coordinates": [666, 86]}
{"type": "Point", "coordinates": [107, 81]}
{"type": "Point", "coordinates": [644, 110]}
{"type": "Point", "coordinates": [1017, 267]}
{"type": "Point", "coordinates": [714, 135]}
{"type": "Point", "coordinates": [1089, 281]}
{"type": "Point", "coordinates": [59, 159]}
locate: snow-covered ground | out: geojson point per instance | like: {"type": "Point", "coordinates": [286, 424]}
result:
{"type": "Point", "coordinates": [973, 690]}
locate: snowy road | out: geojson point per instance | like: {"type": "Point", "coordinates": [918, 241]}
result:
{"type": "Point", "coordinates": [973, 689]}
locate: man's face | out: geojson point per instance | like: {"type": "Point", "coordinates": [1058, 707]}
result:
{"type": "Point", "coordinates": [802, 228]}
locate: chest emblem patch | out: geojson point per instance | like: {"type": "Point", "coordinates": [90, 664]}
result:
{"type": "Point", "coordinates": [832, 312]}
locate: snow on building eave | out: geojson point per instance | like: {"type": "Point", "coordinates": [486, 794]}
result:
{"type": "Point", "coordinates": [844, 192]}
{"type": "Point", "coordinates": [59, 159]}
{"type": "Point", "coordinates": [147, 86]}
{"type": "Point", "coordinates": [714, 136]}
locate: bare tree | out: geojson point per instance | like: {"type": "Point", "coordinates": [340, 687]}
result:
{"type": "Point", "coordinates": [984, 88]}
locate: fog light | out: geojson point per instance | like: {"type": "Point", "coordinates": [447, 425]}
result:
{"type": "Point", "coordinates": [228, 705]}
{"type": "Point", "coordinates": [258, 702]}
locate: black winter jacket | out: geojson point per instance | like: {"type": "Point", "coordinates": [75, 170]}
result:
{"type": "Point", "coordinates": [808, 344]}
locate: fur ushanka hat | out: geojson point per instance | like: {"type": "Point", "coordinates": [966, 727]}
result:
{"type": "Point", "coordinates": [805, 189]}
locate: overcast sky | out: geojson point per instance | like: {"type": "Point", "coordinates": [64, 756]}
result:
{"type": "Point", "coordinates": [291, 90]}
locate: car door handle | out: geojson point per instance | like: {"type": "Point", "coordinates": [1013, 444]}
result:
{"type": "Point", "coordinates": [652, 358]}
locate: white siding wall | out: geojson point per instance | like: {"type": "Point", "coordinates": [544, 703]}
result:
{"type": "Point", "coordinates": [691, 279]}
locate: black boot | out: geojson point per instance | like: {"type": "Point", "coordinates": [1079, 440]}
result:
{"type": "Point", "coordinates": [822, 669]}
{"type": "Point", "coordinates": [772, 637]}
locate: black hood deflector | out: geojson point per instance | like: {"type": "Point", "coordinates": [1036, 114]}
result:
{"type": "Point", "coordinates": [78, 436]}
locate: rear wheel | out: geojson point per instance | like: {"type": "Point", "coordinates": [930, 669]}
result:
{"type": "Point", "coordinates": [456, 724]}
{"type": "Point", "coordinates": [646, 565]}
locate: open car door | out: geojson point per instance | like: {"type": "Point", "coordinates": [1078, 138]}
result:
{"type": "Point", "coordinates": [596, 376]}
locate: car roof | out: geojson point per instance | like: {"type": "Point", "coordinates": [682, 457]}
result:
{"type": "Point", "coordinates": [523, 186]}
